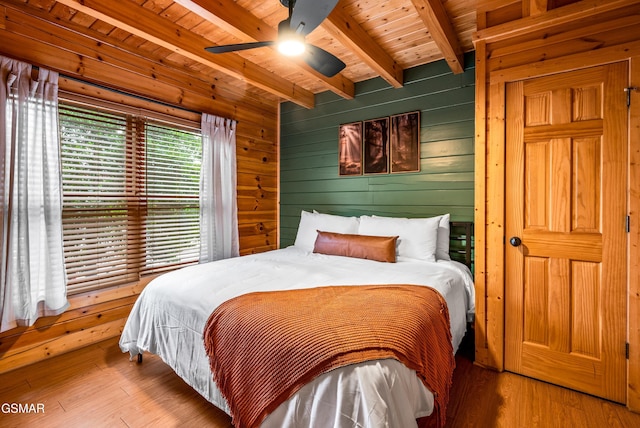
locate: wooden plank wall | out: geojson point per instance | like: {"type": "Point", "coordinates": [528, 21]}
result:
{"type": "Point", "coordinates": [516, 41]}
{"type": "Point", "coordinates": [309, 151]}
{"type": "Point", "coordinates": [95, 316]}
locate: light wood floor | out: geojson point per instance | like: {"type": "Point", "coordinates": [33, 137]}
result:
{"type": "Point", "coordinates": [98, 387]}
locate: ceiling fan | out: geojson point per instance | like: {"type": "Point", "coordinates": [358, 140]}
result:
{"type": "Point", "coordinates": [304, 17]}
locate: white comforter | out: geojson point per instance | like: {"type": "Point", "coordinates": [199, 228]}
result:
{"type": "Point", "coordinates": [169, 317]}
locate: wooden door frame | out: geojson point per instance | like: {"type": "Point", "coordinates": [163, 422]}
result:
{"type": "Point", "coordinates": [633, 274]}
{"type": "Point", "coordinates": [490, 238]}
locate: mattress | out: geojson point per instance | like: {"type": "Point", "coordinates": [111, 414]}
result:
{"type": "Point", "coordinates": [170, 314]}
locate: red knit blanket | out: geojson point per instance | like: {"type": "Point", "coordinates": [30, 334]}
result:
{"type": "Point", "coordinates": [265, 346]}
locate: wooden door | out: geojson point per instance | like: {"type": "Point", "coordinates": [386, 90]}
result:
{"type": "Point", "coordinates": [566, 184]}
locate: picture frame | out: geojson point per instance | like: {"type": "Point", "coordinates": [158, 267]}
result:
{"type": "Point", "coordinates": [376, 146]}
{"type": "Point", "coordinates": [350, 149]}
{"type": "Point", "coordinates": [405, 142]}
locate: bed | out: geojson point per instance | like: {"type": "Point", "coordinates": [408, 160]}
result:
{"type": "Point", "coordinates": [170, 315]}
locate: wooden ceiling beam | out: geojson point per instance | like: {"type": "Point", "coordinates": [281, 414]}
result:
{"type": "Point", "coordinates": [534, 7]}
{"type": "Point", "coordinates": [435, 18]}
{"type": "Point", "coordinates": [351, 35]}
{"type": "Point", "coordinates": [233, 19]}
{"type": "Point", "coordinates": [145, 24]}
{"type": "Point", "coordinates": [239, 22]}
{"type": "Point", "coordinates": [82, 46]}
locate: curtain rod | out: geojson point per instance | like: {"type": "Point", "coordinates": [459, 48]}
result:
{"type": "Point", "coordinates": [118, 91]}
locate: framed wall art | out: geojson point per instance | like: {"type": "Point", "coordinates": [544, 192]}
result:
{"type": "Point", "coordinates": [405, 142]}
{"type": "Point", "coordinates": [350, 148]}
{"type": "Point", "coordinates": [376, 146]}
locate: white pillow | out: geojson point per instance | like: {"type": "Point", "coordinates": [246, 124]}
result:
{"type": "Point", "coordinates": [442, 246]}
{"type": "Point", "coordinates": [442, 242]}
{"type": "Point", "coordinates": [310, 223]}
{"type": "Point", "coordinates": [417, 237]}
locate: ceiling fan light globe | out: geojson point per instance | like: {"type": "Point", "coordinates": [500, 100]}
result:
{"type": "Point", "coordinates": [291, 47]}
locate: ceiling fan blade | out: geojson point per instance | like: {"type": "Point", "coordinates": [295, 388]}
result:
{"type": "Point", "coordinates": [322, 61]}
{"type": "Point", "coordinates": [309, 14]}
{"type": "Point", "coordinates": [237, 47]}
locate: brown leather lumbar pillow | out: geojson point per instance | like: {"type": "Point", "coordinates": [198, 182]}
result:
{"type": "Point", "coordinates": [379, 248]}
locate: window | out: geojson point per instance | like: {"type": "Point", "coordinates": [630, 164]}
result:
{"type": "Point", "coordinates": [130, 195]}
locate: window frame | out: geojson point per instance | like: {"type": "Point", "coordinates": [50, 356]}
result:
{"type": "Point", "coordinates": [136, 199]}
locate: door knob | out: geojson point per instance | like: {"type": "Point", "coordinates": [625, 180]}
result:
{"type": "Point", "coordinates": [515, 241]}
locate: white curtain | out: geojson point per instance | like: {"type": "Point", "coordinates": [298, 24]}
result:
{"type": "Point", "coordinates": [218, 202]}
{"type": "Point", "coordinates": [33, 281]}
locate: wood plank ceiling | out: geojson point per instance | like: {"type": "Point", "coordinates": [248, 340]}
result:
{"type": "Point", "coordinates": [373, 37]}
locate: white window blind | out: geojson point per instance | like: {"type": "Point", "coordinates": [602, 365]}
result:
{"type": "Point", "coordinates": [172, 234]}
{"type": "Point", "coordinates": [130, 195]}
